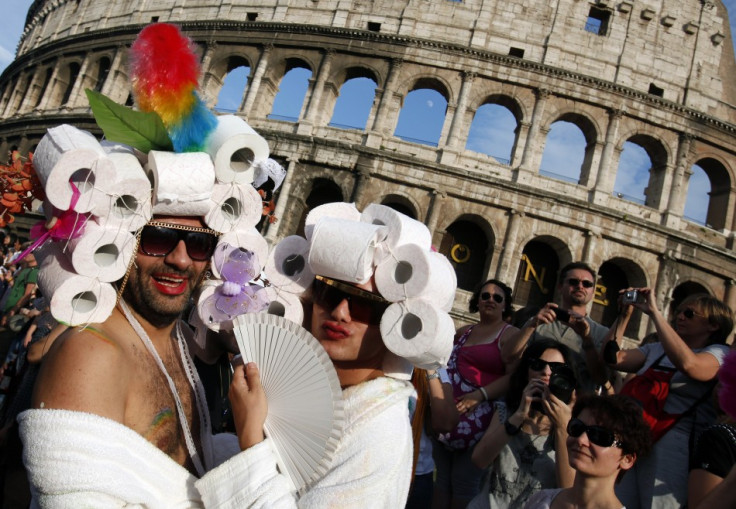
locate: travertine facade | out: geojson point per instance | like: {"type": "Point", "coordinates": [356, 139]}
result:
{"type": "Point", "coordinates": [660, 74]}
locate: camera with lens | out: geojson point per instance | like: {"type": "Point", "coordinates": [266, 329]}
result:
{"type": "Point", "coordinates": [630, 296]}
{"type": "Point", "coordinates": [562, 383]}
{"type": "Point", "coordinates": [562, 315]}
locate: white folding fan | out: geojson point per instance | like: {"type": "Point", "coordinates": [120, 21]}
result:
{"type": "Point", "coordinates": [305, 405]}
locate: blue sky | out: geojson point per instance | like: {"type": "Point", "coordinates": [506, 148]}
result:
{"type": "Point", "coordinates": [631, 179]}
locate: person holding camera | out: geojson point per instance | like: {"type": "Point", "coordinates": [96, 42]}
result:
{"type": "Point", "coordinates": [568, 323]}
{"type": "Point", "coordinates": [674, 380]}
{"type": "Point", "coordinates": [525, 443]}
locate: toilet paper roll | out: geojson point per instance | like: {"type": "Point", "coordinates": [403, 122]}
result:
{"type": "Point", "coordinates": [248, 239]}
{"type": "Point", "coordinates": [338, 209]}
{"type": "Point", "coordinates": [235, 147]}
{"type": "Point", "coordinates": [128, 198]}
{"type": "Point", "coordinates": [287, 265]}
{"type": "Point", "coordinates": [402, 229]}
{"type": "Point", "coordinates": [344, 250]}
{"type": "Point", "coordinates": [396, 367]}
{"type": "Point", "coordinates": [412, 272]}
{"type": "Point", "coordinates": [419, 332]}
{"type": "Point", "coordinates": [182, 183]}
{"type": "Point", "coordinates": [75, 299]}
{"type": "Point", "coordinates": [66, 155]}
{"type": "Point", "coordinates": [102, 253]}
{"type": "Point", "coordinates": [450, 270]}
{"type": "Point", "coordinates": [285, 304]}
{"type": "Point", "coordinates": [233, 207]}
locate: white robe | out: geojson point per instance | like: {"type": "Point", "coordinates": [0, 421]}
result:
{"type": "Point", "coordinates": [75, 459]}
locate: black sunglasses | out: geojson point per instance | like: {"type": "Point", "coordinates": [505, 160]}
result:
{"type": "Point", "coordinates": [496, 296]}
{"type": "Point", "coordinates": [573, 281]}
{"type": "Point", "coordinates": [596, 434]}
{"type": "Point", "coordinates": [540, 364]}
{"type": "Point", "coordinates": [364, 306]}
{"type": "Point", "coordinates": [160, 239]}
{"type": "Point", "coordinates": [688, 313]}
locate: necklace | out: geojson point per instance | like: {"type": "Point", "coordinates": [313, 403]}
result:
{"type": "Point", "coordinates": [191, 377]}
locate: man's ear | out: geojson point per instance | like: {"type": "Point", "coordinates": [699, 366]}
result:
{"type": "Point", "coordinates": [627, 461]}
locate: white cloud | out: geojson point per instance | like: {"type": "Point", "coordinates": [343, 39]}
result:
{"type": "Point", "coordinates": [430, 104]}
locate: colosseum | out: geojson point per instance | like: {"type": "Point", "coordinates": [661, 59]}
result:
{"type": "Point", "coordinates": [655, 76]}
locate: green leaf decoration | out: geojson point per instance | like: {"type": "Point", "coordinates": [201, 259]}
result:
{"type": "Point", "coordinates": [144, 131]}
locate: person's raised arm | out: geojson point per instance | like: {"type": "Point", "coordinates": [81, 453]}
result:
{"type": "Point", "coordinates": [513, 346]}
{"type": "Point", "coordinates": [629, 360]}
{"type": "Point", "coordinates": [560, 413]}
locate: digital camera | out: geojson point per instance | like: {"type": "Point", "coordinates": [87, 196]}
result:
{"type": "Point", "coordinates": [630, 296]}
{"type": "Point", "coordinates": [562, 383]}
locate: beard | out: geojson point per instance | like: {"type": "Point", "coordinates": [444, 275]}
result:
{"type": "Point", "coordinates": [156, 308]}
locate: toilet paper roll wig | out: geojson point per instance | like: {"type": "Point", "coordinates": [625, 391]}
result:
{"type": "Point", "coordinates": [172, 156]}
{"type": "Point", "coordinates": [346, 246]}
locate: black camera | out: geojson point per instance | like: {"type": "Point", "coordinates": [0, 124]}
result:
{"type": "Point", "coordinates": [563, 315]}
{"type": "Point", "coordinates": [562, 383]}
{"type": "Point", "coordinates": [630, 296]}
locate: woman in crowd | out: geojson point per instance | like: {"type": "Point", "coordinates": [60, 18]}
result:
{"type": "Point", "coordinates": [684, 363]}
{"type": "Point", "coordinates": [476, 372]}
{"type": "Point", "coordinates": [525, 443]}
{"type": "Point", "coordinates": [606, 436]}
{"type": "Point", "coordinates": [712, 482]}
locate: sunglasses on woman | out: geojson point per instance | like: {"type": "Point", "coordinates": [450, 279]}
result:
{"type": "Point", "coordinates": [596, 434]}
{"type": "Point", "coordinates": [541, 364]}
{"type": "Point", "coordinates": [496, 296]}
{"type": "Point", "coordinates": [160, 239]}
{"type": "Point", "coordinates": [364, 306]}
{"type": "Point", "coordinates": [688, 313]}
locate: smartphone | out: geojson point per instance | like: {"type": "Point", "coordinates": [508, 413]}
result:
{"type": "Point", "coordinates": [563, 315]}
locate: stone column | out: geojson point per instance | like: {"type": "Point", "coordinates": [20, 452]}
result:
{"type": "Point", "coordinates": [32, 85]}
{"type": "Point", "coordinates": [523, 172]}
{"type": "Point", "coordinates": [379, 124]}
{"type": "Point", "coordinates": [729, 295]}
{"type": "Point", "coordinates": [589, 246]}
{"type": "Point", "coordinates": [522, 135]}
{"type": "Point", "coordinates": [44, 104]}
{"type": "Point", "coordinates": [273, 228]}
{"type": "Point", "coordinates": [207, 76]}
{"type": "Point", "coordinates": [453, 138]}
{"type": "Point", "coordinates": [435, 208]}
{"type": "Point", "coordinates": [667, 279]}
{"type": "Point", "coordinates": [509, 244]}
{"type": "Point", "coordinates": [255, 81]}
{"type": "Point", "coordinates": [313, 108]}
{"type": "Point", "coordinates": [678, 189]}
{"type": "Point", "coordinates": [115, 71]}
{"type": "Point", "coordinates": [603, 185]}
{"type": "Point", "coordinates": [362, 178]}
{"type": "Point", "coordinates": [79, 83]}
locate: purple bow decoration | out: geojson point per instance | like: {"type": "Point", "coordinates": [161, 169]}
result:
{"type": "Point", "coordinates": [236, 295]}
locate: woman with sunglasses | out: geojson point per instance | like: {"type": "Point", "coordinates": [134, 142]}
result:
{"type": "Point", "coordinates": [525, 443]}
{"type": "Point", "coordinates": [684, 364]}
{"type": "Point", "coordinates": [476, 373]}
{"type": "Point", "coordinates": [606, 436]}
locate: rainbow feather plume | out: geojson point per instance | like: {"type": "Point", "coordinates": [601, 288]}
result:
{"type": "Point", "coordinates": [164, 72]}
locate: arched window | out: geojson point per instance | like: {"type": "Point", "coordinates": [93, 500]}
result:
{"type": "Point", "coordinates": [71, 75]}
{"type": "Point", "coordinates": [44, 87]}
{"type": "Point", "coordinates": [493, 132]}
{"type": "Point", "coordinates": [353, 105]}
{"type": "Point", "coordinates": [323, 191]}
{"type": "Point", "coordinates": [288, 103]}
{"type": "Point", "coordinates": [103, 69]}
{"type": "Point", "coordinates": [466, 246]}
{"type": "Point", "coordinates": [233, 87]}
{"type": "Point", "coordinates": [423, 114]}
{"type": "Point", "coordinates": [564, 152]}
{"type": "Point", "coordinates": [632, 175]}
{"type": "Point", "coordinates": [708, 194]}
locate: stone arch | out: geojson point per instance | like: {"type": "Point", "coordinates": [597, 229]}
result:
{"type": "Point", "coordinates": [468, 243]}
{"type": "Point", "coordinates": [614, 275]}
{"type": "Point", "coordinates": [402, 203]}
{"type": "Point", "coordinates": [719, 194]}
{"type": "Point", "coordinates": [413, 113]}
{"type": "Point", "coordinates": [237, 71]}
{"type": "Point", "coordinates": [569, 147]}
{"type": "Point", "coordinates": [354, 101]}
{"type": "Point", "coordinates": [540, 260]}
{"type": "Point", "coordinates": [288, 101]}
{"type": "Point", "coordinates": [494, 130]}
{"type": "Point", "coordinates": [631, 183]}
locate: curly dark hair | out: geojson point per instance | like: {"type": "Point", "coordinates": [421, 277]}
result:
{"type": "Point", "coordinates": [622, 415]}
{"type": "Point", "coordinates": [520, 378]}
{"type": "Point", "coordinates": [508, 310]}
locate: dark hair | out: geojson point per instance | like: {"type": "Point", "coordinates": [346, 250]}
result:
{"type": "Point", "coordinates": [576, 265]}
{"type": "Point", "coordinates": [716, 312]}
{"type": "Point", "coordinates": [520, 377]}
{"type": "Point", "coordinates": [508, 310]}
{"type": "Point", "coordinates": [622, 415]}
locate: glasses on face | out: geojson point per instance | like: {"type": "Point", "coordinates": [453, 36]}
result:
{"type": "Point", "coordinates": [495, 296]}
{"type": "Point", "coordinates": [573, 281]}
{"type": "Point", "coordinates": [596, 434]}
{"type": "Point", "coordinates": [160, 239]}
{"type": "Point", "coordinates": [364, 306]}
{"type": "Point", "coordinates": [688, 313]}
{"type": "Point", "coordinates": [541, 365]}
